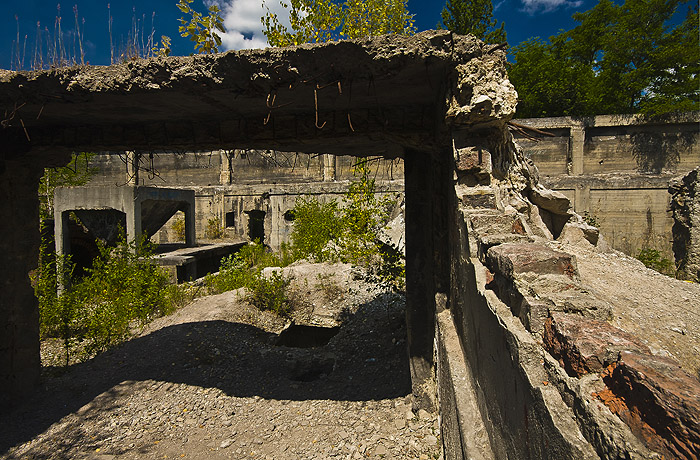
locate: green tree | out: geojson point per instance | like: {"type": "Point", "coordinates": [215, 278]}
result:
{"type": "Point", "coordinates": [202, 30]}
{"type": "Point", "coordinates": [316, 21]}
{"type": "Point", "coordinates": [621, 58]}
{"type": "Point", "coordinates": [473, 17]}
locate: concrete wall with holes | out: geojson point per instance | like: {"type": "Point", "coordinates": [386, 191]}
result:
{"type": "Point", "coordinates": [244, 194]}
{"type": "Point", "coordinates": [616, 171]}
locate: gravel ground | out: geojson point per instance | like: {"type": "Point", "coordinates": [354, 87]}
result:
{"type": "Point", "coordinates": [209, 382]}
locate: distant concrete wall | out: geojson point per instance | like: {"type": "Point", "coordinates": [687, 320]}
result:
{"type": "Point", "coordinates": [234, 187]}
{"type": "Point", "coordinates": [616, 169]}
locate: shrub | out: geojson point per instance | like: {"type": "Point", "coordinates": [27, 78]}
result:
{"type": "Point", "coordinates": [122, 289]}
{"type": "Point", "coordinates": [179, 228]}
{"type": "Point", "coordinates": [270, 293]}
{"type": "Point", "coordinates": [315, 224]}
{"type": "Point", "coordinates": [651, 258]}
{"type": "Point", "coordinates": [328, 232]}
{"type": "Point", "coordinates": [214, 230]}
{"type": "Point", "coordinates": [239, 269]}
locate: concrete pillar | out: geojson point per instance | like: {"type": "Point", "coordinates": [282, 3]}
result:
{"type": "Point", "coordinates": [578, 139]}
{"type": "Point", "coordinates": [226, 167]}
{"type": "Point", "coordinates": [133, 220]}
{"type": "Point", "coordinates": [427, 263]}
{"type": "Point", "coordinates": [190, 228]}
{"type": "Point", "coordinates": [132, 168]}
{"type": "Point", "coordinates": [329, 171]}
{"type": "Point", "coordinates": [20, 364]}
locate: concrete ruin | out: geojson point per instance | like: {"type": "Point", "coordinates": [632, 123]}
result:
{"type": "Point", "coordinates": [616, 170]}
{"type": "Point", "coordinates": [685, 206]}
{"type": "Point", "coordinates": [136, 210]}
{"type": "Point", "coordinates": [493, 300]}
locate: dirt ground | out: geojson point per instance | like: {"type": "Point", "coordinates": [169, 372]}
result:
{"type": "Point", "coordinates": [209, 382]}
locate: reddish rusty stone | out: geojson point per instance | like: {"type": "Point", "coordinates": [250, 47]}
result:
{"type": "Point", "coordinates": [473, 158]}
{"type": "Point", "coordinates": [584, 345]}
{"type": "Point", "coordinates": [511, 259]}
{"type": "Point", "coordinates": [658, 400]}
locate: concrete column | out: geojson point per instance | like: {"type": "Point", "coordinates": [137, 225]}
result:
{"type": "Point", "coordinates": [61, 231]}
{"type": "Point", "coordinates": [133, 221]}
{"type": "Point", "coordinates": [132, 168]}
{"type": "Point", "coordinates": [19, 251]}
{"type": "Point", "coordinates": [427, 264]}
{"type": "Point", "coordinates": [578, 138]}
{"type": "Point", "coordinates": [190, 229]}
{"type": "Point", "coordinates": [226, 168]}
{"type": "Point", "coordinates": [329, 171]}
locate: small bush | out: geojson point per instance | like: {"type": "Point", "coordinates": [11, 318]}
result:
{"type": "Point", "coordinates": [270, 293]}
{"type": "Point", "coordinates": [315, 224]}
{"type": "Point", "coordinates": [179, 228]}
{"type": "Point", "coordinates": [214, 230]}
{"type": "Point", "coordinates": [651, 258]}
{"type": "Point", "coordinates": [122, 289]}
{"type": "Point", "coordinates": [239, 269]}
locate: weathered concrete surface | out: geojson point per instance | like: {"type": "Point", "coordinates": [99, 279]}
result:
{"type": "Point", "coordinates": [367, 97]}
{"type": "Point", "coordinates": [146, 209]}
{"type": "Point", "coordinates": [391, 96]}
{"type": "Point", "coordinates": [615, 169]}
{"type": "Point", "coordinates": [685, 206]}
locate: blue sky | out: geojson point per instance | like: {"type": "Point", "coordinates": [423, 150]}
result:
{"type": "Point", "coordinates": [523, 19]}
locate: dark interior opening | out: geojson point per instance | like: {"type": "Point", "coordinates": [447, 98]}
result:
{"type": "Point", "coordinates": [256, 225]}
{"type": "Point", "coordinates": [302, 336]}
{"type": "Point", "coordinates": [230, 219]}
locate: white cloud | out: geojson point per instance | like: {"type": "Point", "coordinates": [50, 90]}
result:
{"type": "Point", "coordinates": [544, 6]}
{"type": "Point", "coordinates": [242, 22]}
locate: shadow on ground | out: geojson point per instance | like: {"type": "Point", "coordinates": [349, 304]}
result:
{"type": "Point", "coordinates": [366, 360]}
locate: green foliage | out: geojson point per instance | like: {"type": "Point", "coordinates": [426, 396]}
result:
{"type": "Point", "coordinates": [214, 230]}
{"type": "Point", "coordinates": [590, 219]}
{"type": "Point", "coordinates": [202, 30]}
{"type": "Point", "coordinates": [621, 58]}
{"type": "Point", "coordinates": [123, 289]}
{"type": "Point", "coordinates": [77, 172]}
{"type": "Point", "coordinates": [316, 21]}
{"type": "Point", "coordinates": [362, 216]}
{"type": "Point", "coordinates": [240, 269]}
{"type": "Point", "coordinates": [349, 233]}
{"type": "Point", "coordinates": [270, 293]}
{"type": "Point", "coordinates": [179, 228]}
{"type": "Point", "coordinates": [315, 224]}
{"type": "Point", "coordinates": [652, 258]}
{"type": "Point", "coordinates": [473, 17]}
{"type": "Point", "coordinates": [164, 49]}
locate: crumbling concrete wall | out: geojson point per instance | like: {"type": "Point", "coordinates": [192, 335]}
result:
{"type": "Point", "coordinates": [616, 169]}
{"type": "Point", "coordinates": [593, 390]}
{"type": "Point", "coordinates": [685, 206]}
{"type": "Point", "coordinates": [489, 275]}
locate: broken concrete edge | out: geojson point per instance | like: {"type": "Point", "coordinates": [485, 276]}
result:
{"type": "Point", "coordinates": [516, 273]}
{"type": "Point", "coordinates": [606, 433]}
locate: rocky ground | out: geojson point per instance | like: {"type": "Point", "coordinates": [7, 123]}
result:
{"type": "Point", "coordinates": [210, 382]}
